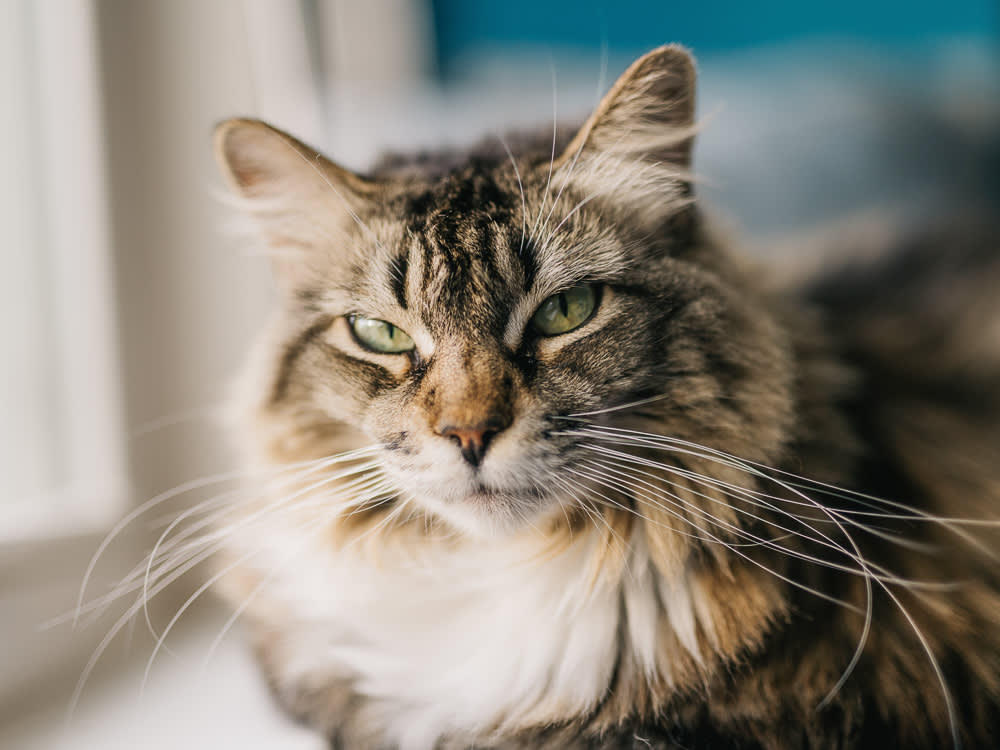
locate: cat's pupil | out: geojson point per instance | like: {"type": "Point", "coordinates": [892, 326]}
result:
{"type": "Point", "coordinates": [565, 311]}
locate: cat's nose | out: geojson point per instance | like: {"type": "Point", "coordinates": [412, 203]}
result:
{"type": "Point", "coordinates": [474, 439]}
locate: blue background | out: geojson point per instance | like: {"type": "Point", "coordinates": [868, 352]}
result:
{"type": "Point", "coordinates": [632, 26]}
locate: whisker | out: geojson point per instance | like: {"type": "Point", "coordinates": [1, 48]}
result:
{"type": "Point", "coordinates": [180, 489]}
{"type": "Point", "coordinates": [735, 550]}
{"type": "Point", "coordinates": [552, 159]}
{"type": "Point", "coordinates": [130, 581]}
{"type": "Point", "coordinates": [749, 496]}
{"type": "Point", "coordinates": [739, 531]}
{"type": "Point", "coordinates": [252, 517]}
{"type": "Point", "coordinates": [847, 515]}
{"type": "Point", "coordinates": [913, 514]}
{"type": "Point", "coordinates": [238, 611]}
{"type": "Point", "coordinates": [345, 204]}
{"type": "Point", "coordinates": [593, 514]}
{"type": "Point", "coordinates": [161, 639]}
{"type": "Point", "coordinates": [177, 564]}
{"type": "Point", "coordinates": [172, 420]}
{"type": "Point", "coordinates": [629, 405]}
{"type": "Point", "coordinates": [520, 187]}
{"type": "Point", "coordinates": [750, 467]}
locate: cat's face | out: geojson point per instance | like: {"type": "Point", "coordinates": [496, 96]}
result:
{"type": "Point", "coordinates": [471, 320]}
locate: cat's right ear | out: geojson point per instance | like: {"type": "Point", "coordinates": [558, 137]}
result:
{"type": "Point", "coordinates": [264, 163]}
{"type": "Point", "coordinates": [299, 199]}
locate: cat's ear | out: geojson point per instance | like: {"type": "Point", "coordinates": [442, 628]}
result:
{"type": "Point", "coordinates": [649, 112]}
{"type": "Point", "coordinates": [264, 163]}
{"type": "Point", "coordinates": [299, 198]}
{"type": "Point", "coordinates": [640, 136]}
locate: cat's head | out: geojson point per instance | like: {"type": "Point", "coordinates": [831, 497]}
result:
{"type": "Point", "coordinates": [472, 315]}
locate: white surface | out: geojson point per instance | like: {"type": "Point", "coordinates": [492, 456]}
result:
{"type": "Point", "coordinates": [183, 706]}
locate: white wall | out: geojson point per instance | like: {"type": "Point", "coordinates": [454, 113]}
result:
{"type": "Point", "coordinates": [188, 301]}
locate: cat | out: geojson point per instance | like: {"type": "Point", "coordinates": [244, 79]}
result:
{"type": "Point", "coordinates": [545, 462]}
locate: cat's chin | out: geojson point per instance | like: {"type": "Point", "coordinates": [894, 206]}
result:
{"type": "Point", "coordinates": [488, 512]}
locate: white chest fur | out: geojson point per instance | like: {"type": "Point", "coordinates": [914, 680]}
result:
{"type": "Point", "coordinates": [469, 638]}
{"type": "Point", "coordinates": [462, 640]}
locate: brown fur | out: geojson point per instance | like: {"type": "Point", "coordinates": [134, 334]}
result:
{"type": "Point", "coordinates": [881, 377]}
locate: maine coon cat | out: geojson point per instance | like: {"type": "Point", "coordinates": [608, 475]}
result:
{"type": "Point", "coordinates": [549, 465]}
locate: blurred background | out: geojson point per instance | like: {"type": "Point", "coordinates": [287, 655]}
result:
{"type": "Point", "coordinates": [126, 305]}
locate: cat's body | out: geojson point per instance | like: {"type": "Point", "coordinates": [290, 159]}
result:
{"type": "Point", "coordinates": [612, 488]}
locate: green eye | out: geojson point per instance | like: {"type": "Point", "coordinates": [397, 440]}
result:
{"type": "Point", "coordinates": [566, 311]}
{"type": "Point", "coordinates": [380, 336]}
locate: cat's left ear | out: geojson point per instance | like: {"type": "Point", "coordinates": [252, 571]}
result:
{"type": "Point", "coordinates": [641, 134]}
{"type": "Point", "coordinates": [649, 112]}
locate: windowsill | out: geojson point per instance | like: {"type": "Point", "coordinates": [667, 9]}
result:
{"type": "Point", "coordinates": [225, 705]}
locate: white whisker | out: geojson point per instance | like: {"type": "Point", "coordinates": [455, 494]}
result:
{"type": "Point", "coordinates": [756, 469]}
{"type": "Point", "coordinates": [520, 186]}
{"type": "Point", "coordinates": [552, 158]}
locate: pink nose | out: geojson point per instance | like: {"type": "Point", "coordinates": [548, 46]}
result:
{"type": "Point", "coordinates": [473, 440]}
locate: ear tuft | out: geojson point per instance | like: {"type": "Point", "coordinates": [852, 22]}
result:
{"type": "Point", "coordinates": [649, 112]}
{"type": "Point", "coordinates": [661, 84]}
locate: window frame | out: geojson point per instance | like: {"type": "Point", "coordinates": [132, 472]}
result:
{"type": "Point", "coordinates": [75, 239]}
{"type": "Point", "coordinates": [46, 540]}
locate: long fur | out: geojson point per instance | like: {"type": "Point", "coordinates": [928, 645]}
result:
{"type": "Point", "coordinates": [726, 511]}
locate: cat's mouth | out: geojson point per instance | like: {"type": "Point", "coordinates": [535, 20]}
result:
{"type": "Point", "coordinates": [484, 495]}
{"type": "Point", "coordinates": [488, 509]}
{"type": "Point", "coordinates": [484, 491]}
{"type": "Point", "coordinates": [501, 508]}
{"type": "Point", "coordinates": [494, 499]}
